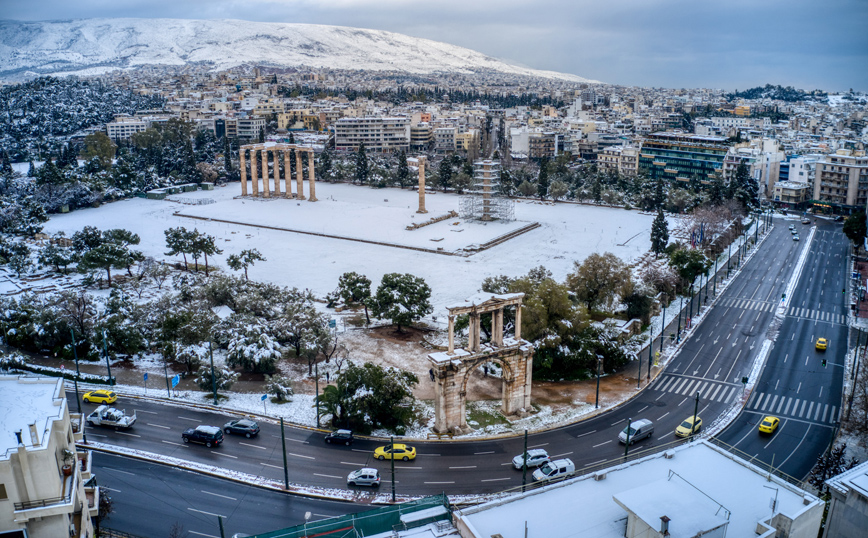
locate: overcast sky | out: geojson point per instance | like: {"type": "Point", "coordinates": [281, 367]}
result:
{"type": "Point", "coordinates": [669, 43]}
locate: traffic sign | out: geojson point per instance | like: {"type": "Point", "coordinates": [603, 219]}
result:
{"type": "Point", "coordinates": [176, 380]}
{"type": "Point", "coordinates": [264, 396]}
{"type": "Point", "coordinates": [332, 324]}
{"type": "Point", "coordinates": [146, 376]}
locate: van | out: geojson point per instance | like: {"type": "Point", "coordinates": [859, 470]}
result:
{"type": "Point", "coordinates": [554, 469]}
{"type": "Point", "coordinates": [639, 429]}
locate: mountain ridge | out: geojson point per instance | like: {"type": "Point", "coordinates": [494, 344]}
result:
{"type": "Point", "coordinates": [93, 46]}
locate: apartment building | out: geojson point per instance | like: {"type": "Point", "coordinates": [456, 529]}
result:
{"type": "Point", "coordinates": [42, 475]}
{"type": "Point", "coordinates": [421, 136]}
{"type": "Point", "coordinates": [841, 182]}
{"type": "Point", "coordinates": [791, 193]}
{"type": "Point", "coordinates": [123, 127]}
{"type": "Point", "coordinates": [624, 160]}
{"type": "Point", "coordinates": [384, 134]}
{"type": "Point", "coordinates": [444, 139]}
{"type": "Point", "coordinates": [543, 145]}
{"type": "Point", "coordinates": [676, 156]}
{"type": "Point", "coordinates": [249, 128]}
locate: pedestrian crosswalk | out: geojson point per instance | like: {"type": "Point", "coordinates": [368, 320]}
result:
{"type": "Point", "coordinates": [765, 306]}
{"type": "Point", "coordinates": [789, 406]}
{"type": "Point", "coordinates": [709, 390]}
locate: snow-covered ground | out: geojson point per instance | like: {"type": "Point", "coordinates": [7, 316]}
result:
{"type": "Point", "coordinates": [568, 233]}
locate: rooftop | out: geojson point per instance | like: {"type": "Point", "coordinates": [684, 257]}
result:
{"type": "Point", "coordinates": [26, 401]}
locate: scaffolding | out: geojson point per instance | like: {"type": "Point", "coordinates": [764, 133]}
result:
{"type": "Point", "coordinates": [483, 200]}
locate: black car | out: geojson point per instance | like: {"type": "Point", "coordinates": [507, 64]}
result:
{"type": "Point", "coordinates": [244, 427]}
{"type": "Point", "coordinates": [344, 437]}
{"type": "Point", "coordinates": [205, 435]}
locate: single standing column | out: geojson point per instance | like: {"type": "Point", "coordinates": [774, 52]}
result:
{"type": "Point", "coordinates": [243, 166]}
{"type": "Point", "coordinates": [264, 153]}
{"type": "Point", "coordinates": [497, 327]}
{"type": "Point", "coordinates": [311, 182]}
{"type": "Point", "coordinates": [518, 322]}
{"type": "Point", "coordinates": [276, 160]}
{"type": "Point", "coordinates": [474, 332]}
{"type": "Point", "coordinates": [287, 173]}
{"type": "Point", "coordinates": [254, 170]}
{"type": "Point", "coordinates": [422, 186]}
{"type": "Point", "coordinates": [299, 175]}
{"type": "Point", "coordinates": [451, 335]}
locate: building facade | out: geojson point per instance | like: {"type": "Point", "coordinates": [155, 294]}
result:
{"type": "Point", "coordinates": [841, 182]}
{"type": "Point", "coordinates": [382, 134]}
{"type": "Point", "coordinates": [680, 156]}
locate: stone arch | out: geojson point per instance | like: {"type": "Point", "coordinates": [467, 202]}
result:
{"type": "Point", "coordinates": [451, 369]}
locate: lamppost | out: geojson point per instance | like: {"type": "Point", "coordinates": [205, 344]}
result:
{"type": "Point", "coordinates": [213, 377]}
{"type": "Point", "coordinates": [77, 399]}
{"type": "Point", "coordinates": [597, 403]}
{"type": "Point", "coordinates": [663, 298]}
{"type": "Point", "coordinates": [695, 411]}
{"type": "Point", "coordinates": [316, 390]}
{"type": "Point", "coordinates": [680, 310]}
{"type": "Point", "coordinates": [107, 365]}
{"type": "Point", "coordinates": [690, 306]}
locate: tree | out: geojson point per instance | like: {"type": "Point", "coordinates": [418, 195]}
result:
{"type": "Point", "coordinates": [106, 250]}
{"type": "Point", "coordinates": [361, 165]}
{"type": "Point", "coordinates": [444, 173]}
{"type": "Point", "coordinates": [746, 188]}
{"type": "Point", "coordinates": [206, 245]}
{"type": "Point", "coordinates": [558, 189]}
{"type": "Point", "coordinates": [526, 188]}
{"type": "Point", "coordinates": [689, 263]}
{"type": "Point", "coordinates": [57, 257]}
{"type": "Point", "coordinates": [99, 145]}
{"type": "Point", "coordinates": [598, 279]}
{"type": "Point", "coordinates": [106, 257]}
{"type": "Point", "coordinates": [280, 386]}
{"type": "Point", "coordinates": [325, 163]}
{"type": "Point", "coordinates": [224, 378]}
{"type": "Point", "coordinates": [227, 155]}
{"type": "Point", "coordinates": [830, 464]}
{"type": "Point", "coordinates": [403, 173]}
{"type": "Point", "coordinates": [252, 348]}
{"type": "Point", "coordinates": [659, 233]}
{"type": "Point", "coordinates": [355, 289]}
{"type": "Point", "coordinates": [542, 183]}
{"type": "Point", "coordinates": [368, 397]}
{"type": "Point", "coordinates": [402, 298]}
{"type": "Point", "coordinates": [179, 241]}
{"type": "Point", "coordinates": [245, 259]}
{"type": "Point", "coordinates": [855, 228]}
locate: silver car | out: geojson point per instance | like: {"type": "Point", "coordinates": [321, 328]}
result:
{"type": "Point", "coordinates": [535, 458]}
{"type": "Point", "coordinates": [364, 477]}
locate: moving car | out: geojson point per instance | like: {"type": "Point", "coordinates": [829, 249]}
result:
{"type": "Point", "coordinates": [101, 397]}
{"type": "Point", "coordinates": [245, 427]}
{"type": "Point", "coordinates": [395, 452]}
{"type": "Point", "coordinates": [344, 437]}
{"type": "Point", "coordinates": [639, 429]}
{"type": "Point", "coordinates": [769, 425]}
{"type": "Point", "coordinates": [535, 458]}
{"type": "Point", "coordinates": [796, 237]}
{"type": "Point", "coordinates": [205, 435]}
{"type": "Point", "coordinates": [688, 428]}
{"type": "Point", "coordinates": [822, 344]}
{"type": "Point", "coordinates": [364, 477]}
{"type": "Point", "coordinates": [110, 417]}
{"type": "Point", "coordinates": [554, 469]}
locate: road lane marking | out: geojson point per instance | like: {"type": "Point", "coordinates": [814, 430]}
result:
{"type": "Point", "coordinates": [254, 446]}
{"type": "Point", "coordinates": [587, 433]}
{"type": "Point", "coordinates": [427, 454]}
{"type": "Point", "coordinates": [188, 418]}
{"type": "Point", "coordinates": [495, 479]}
{"type": "Point", "coordinates": [301, 456]}
{"type": "Point", "coordinates": [664, 414]}
{"type": "Point", "coordinates": [293, 440]}
{"type": "Point", "coordinates": [111, 489]}
{"type": "Point", "coordinates": [218, 495]}
{"type": "Point", "coordinates": [807, 431]}
{"type": "Point", "coordinates": [481, 453]}
{"type": "Point", "coordinates": [129, 434]}
{"type": "Point", "coordinates": [360, 450]}
{"type": "Point", "coordinates": [465, 467]}
{"type": "Point", "coordinates": [537, 446]}
{"type": "Point", "coordinates": [561, 455]}
{"type": "Point", "coordinates": [202, 533]}
{"type": "Point", "coordinates": [158, 426]}
{"type": "Point", "coordinates": [601, 444]}
{"type": "Point", "coordinates": [119, 471]}
{"type": "Point", "coordinates": [171, 443]}
{"type": "Point", "coordinates": [228, 456]}
{"type": "Point", "coordinates": [452, 482]}
{"type": "Point", "coordinates": [143, 411]}
{"type": "Point", "coordinates": [327, 476]}
{"type": "Point", "coordinates": [206, 513]}
{"type": "Point", "coordinates": [593, 463]}
{"type": "Point", "coordinates": [270, 465]}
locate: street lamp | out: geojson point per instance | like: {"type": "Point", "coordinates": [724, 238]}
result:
{"type": "Point", "coordinates": [599, 365]}
{"type": "Point", "coordinates": [107, 365]}
{"type": "Point", "coordinates": [663, 298]}
{"type": "Point", "coordinates": [680, 310]}
{"type": "Point", "coordinates": [77, 399]}
{"type": "Point", "coordinates": [213, 377]}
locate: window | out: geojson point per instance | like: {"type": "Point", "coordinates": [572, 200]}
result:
{"type": "Point", "coordinates": [3, 495]}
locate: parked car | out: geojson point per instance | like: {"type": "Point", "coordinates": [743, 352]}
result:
{"type": "Point", "coordinates": [100, 397]}
{"type": "Point", "coordinates": [688, 427]}
{"type": "Point", "coordinates": [639, 429]}
{"type": "Point", "coordinates": [343, 437]}
{"type": "Point", "coordinates": [205, 435]}
{"type": "Point", "coordinates": [535, 458]}
{"type": "Point", "coordinates": [769, 425]}
{"type": "Point", "coordinates": [245, 427]}
{"type": "Point", "coordinates": [364, 477]}
{"type": "Point", "coordinates": [554, 469]}
{"type": "Point", "coordinates": [395, 452]}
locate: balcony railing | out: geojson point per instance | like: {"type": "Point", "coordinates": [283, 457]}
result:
{"type": "Point", "coordinates": [43, 503]}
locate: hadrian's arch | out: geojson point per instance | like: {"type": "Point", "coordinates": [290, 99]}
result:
{"type": "Point", "coordinates": [452, 368]}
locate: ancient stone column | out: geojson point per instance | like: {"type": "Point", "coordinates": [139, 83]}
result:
{"type": "Point", "coordinates": [451, 335]}
{"type": "Point", "coordinates": [497, 327]}
{"type": "Point", "coordinates": [311, 182]}
{"type": "Point", "coordinates": [243, 166]}
{"type": "Point", "coordinates": [287, 171]}
{"type": "Point", "coordinates": [299, 175]}
{"type": "Point", "coordinates": [264, 153]}
{"type": "Point", "coordinates": [518, 322]}
{"type": "Point", "coordinates": [473, 344]}
{"type": "Point", "coordinates": [422, 186]}
{"type": "Point", "coordinates": [276, 160]}
{"type": "Point", "coordinates": [254, 170]}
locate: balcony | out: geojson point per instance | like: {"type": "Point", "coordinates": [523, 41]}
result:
{"type": "Point", "coordinates": [49, 506]}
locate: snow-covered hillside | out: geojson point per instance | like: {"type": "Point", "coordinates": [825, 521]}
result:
{"type": "Point", "coordinates": [98, 45]}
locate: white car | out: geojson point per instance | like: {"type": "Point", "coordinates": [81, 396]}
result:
{"type": "Point", "coordinates": [535, 458]}
{"type": "Point", "coordinates": [364, 477]}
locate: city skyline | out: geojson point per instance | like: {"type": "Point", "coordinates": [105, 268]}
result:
{"type": "Point", "coordinates": [663, 43]}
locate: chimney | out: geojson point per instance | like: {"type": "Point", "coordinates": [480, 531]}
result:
{"type": "Point", "coordinates": [34, 436]}
{"type": "Point", "coordinates": [18, 435]}
{"type": "Point", "coordinates": [664, 525]}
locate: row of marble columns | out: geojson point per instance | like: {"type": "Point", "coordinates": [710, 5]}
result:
{"type": "Point", "coordinates": [259, 153]}
{"type": "Point", "coordinates": [473, 344]}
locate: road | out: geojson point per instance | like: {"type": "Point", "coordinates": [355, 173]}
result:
{"type": "Point", "coordinates": [794, 385]}
{"type": "Point", "coordinates": [166, 496]}
{"type": "Point", "coordinates": [712, 363]}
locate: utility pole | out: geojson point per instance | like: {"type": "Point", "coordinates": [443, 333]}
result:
{"type": "Point", "coordinates": [285, 466]}
{"type": "Point", "coordinates": [695, 411]}
{"type": "Point", "coordinates": [316, 381]}
{"type": "Point", "coordinates": [627, 444]}
{"type": "Point", "coordinates": [77, 399]}
{"type": "Point", "coordinates": [662, 330]}
{"type": "Point", "coordinates": [107, 365]}
{"type": "Point", "coordinates": [392, 459]}
{"type": "Point", "coordinates": [524, 464]}
{"type": "Point", "coordinates": [596, 405]}
{"type": "Point", "coordinates": [680, 310]}
{"type": "Point", "coordinates": [213, 377]}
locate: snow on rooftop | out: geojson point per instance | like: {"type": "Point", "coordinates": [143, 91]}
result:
{"type": "Point", "coordinates": [26, 401]}
{"type": "Point", "coordinates": [692, 514]}
{"type": "Point", "coordinates": [587, 507]}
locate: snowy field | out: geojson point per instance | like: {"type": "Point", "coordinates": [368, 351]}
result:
{"type": "Point", "coordinates": [568, 233]}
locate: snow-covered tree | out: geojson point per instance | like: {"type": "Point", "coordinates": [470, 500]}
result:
{"type": "Point", "coordinates": [224, 378]}
{"type": "Point", "coordinates": [280, 386]}
{"type": "Point", "coordinates": [402, 298]}
{"type": "Point", "coordinates": [252, 348]}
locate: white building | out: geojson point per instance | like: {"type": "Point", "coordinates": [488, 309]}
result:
{"type": "Point", "coordinates": [41, 475]}
{"type": "Point", "coordinates": [848, 509]}
{"type": "Point", "coordinates": [378, 133]}
{"type": "Point", "coordinates": [123, 127]}
{"type": "Point", "coordinates": [691, 490]}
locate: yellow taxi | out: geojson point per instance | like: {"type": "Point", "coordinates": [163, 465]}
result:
{"type": "Point", "coordinates": [101, 397]}
{"type": "Point", "coordinates": [689, 427]}
{"type": "Point", "coordinates": [395, 452]}
{"type": "Point", "coordinates": [822, 344]}
{"type": "Point", "coordinates": [769, 425]}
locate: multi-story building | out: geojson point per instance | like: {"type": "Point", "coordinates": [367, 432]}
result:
{"type": "Point", "coordinates": [841, 182]}
{"type": "Point", "coordinates": [678, 156]}
{"type": "Point", "coordinates": [791, 193]}
{"type": "Point", "coordinates": [123, 127]}
{"type": "Point", "coordinates": [444, 139]}
{"type": "Point", "coordinates": [543, 145]}
{"type": "Point", "coordinates": [250, 128]}
{"type": "Point", "coordinates": [421, 136]}
{"type": "Point", "coordinates": [42, 476]}
{"type": "Point", "coordinates": [385, 134]}
{"type": "Point", "coordinates": [624, 160]}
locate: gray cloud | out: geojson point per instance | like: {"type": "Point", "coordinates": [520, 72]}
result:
{"type": "Point", "coordinates": [669, 43]}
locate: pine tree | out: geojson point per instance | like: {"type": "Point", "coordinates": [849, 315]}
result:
{"type": "Point", "coordinates": [227, 155]}
{"type": "Point", "coordinates": [291, 138]}
{"type": "Point", "coordinates": [361, 165]}
{"type": "Point", "coordinates": [659, 233]}
{"type": "Point", "coordinates": [403, 169]}
{"type": "Point", "coordinates": [542, 183]}
{"type": "Point", "coordinates": [445, 173]}
{"type": "Point", "coordinates": [325, 163]}
{"type": "Point", "coordinates": [746, 189]}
